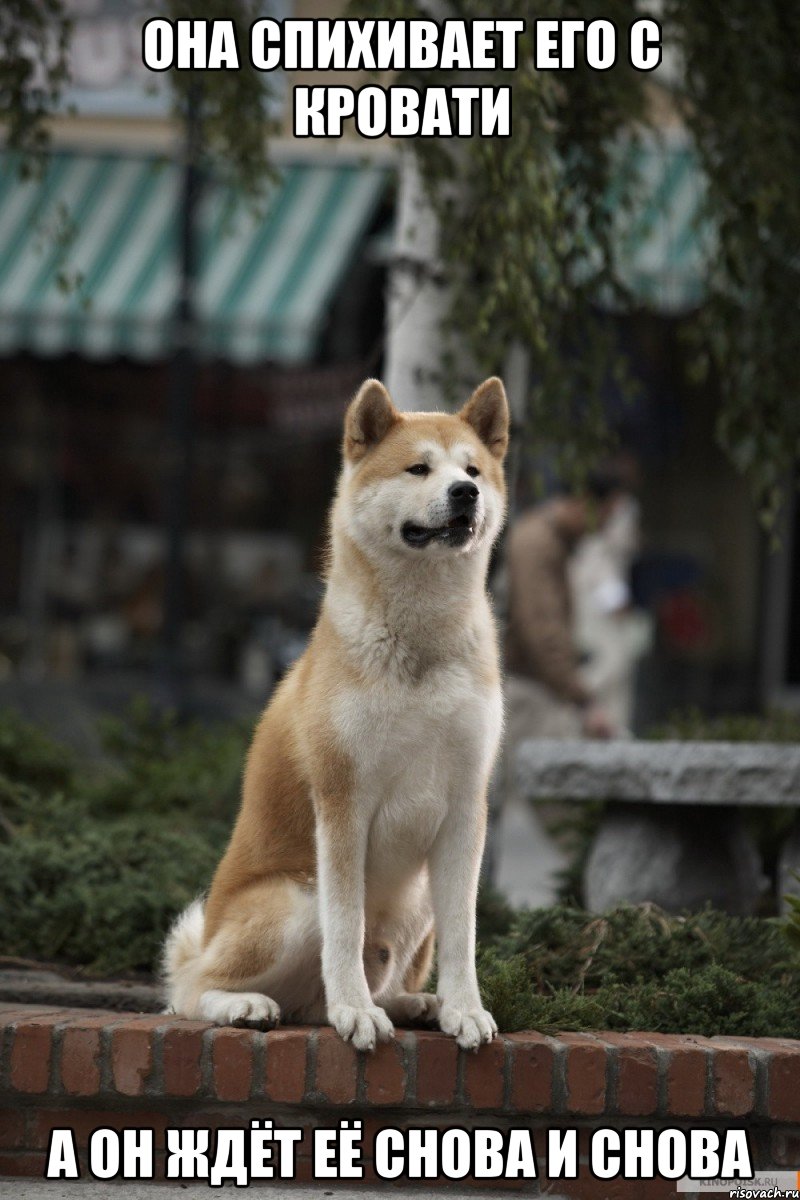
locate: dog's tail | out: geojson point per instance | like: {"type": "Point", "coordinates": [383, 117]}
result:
{"type": "Point", "coordinates": [180, 959]}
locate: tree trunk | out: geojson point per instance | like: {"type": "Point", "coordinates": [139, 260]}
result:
{"type": "Point", "coordinates": [418, 299]}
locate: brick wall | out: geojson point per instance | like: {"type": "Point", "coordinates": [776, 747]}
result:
{"type": "Point", "coordinates": [83, 1068]}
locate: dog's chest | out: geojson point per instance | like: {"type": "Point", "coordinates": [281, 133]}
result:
{"type": "Point", "coordinates": [415, 751]}
{"type": "Point", "coordinates": [392, 731]}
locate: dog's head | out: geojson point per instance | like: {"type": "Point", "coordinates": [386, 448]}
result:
{"type": "Point", "coordinates": [424, 484]}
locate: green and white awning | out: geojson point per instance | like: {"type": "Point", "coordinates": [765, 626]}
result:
{"type": "Point", "coordinates": [662, 243]}
{"type": "Point", "coordinates": [88, 257]}
{"type": "Point", "coordinates": [89, 252]}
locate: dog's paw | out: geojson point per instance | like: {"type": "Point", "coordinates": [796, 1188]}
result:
{"type": "Point", "coordinates": [413, 1006]}
{"type": "Point", "coordinates": [251, 1009]}
{"type": "Point", "coordinates": [364, 1027]}
{"type": "Point", "coordinates": [469, 1026]}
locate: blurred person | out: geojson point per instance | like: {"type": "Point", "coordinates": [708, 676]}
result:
{"type": "Point", "coordinates": [547, 695]}
{"type": "Point", "coordinates": [611, 634]}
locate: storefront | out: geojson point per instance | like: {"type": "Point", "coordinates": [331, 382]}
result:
{"type": "Point", "coordinates": [288, 315]}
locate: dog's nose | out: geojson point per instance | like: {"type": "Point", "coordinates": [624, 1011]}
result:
{"type": "Point", "coordinates": [462, 494]}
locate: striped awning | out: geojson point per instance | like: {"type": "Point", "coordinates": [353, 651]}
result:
{"type": "Point", "coordinates": [89, 257]}
{"type": "Point", "coordinates": [663, 245]}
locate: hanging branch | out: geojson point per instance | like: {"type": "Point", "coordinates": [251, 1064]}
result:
{"type": "Point", "coordinates": [34, 39]}
{"type": "Point", "coordinates": [532, 205]}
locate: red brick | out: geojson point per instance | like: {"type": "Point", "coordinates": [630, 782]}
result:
{"type": "Point", "coordinates": [637, 1073]}
{"type": "Point", "coordinates": [588, 1188]}
{"type": "Point", "coordinates": [686, 1083]}
{"type": "Point", "coordinates": [483, 1075]}
{"type": "Point", "coordinates": [745, 1043]}
{"type": "Point", "coordinates": [84, 1121]}
{"type": "Point", "coordinates": [437, 1061]}
{"type": "Point", "coordinates": [385, 1073]}
{"type": "Point", "coordinates": [232, 1063]}
{"type": "Point", "coordinates": [132, 1055]}
{"type": "Point", "coordinates": [199, 1118]}
{"type": "Point", "coordinates": [734, 1083]}
{"type": "Point", "coordinates": [80, 1061]}
{"type": "Point", "coordinates": [144, 1022]}
{"type": "Point", "coordinates": [17, 1013]}
{"type": "Point", "coordinates": [81, 1050]}
{"type": "Point", "coordinates": [23, 1165]}
{"type": "Point", "coordinates": [760, 1145]}
{"type": "Point", "coordinates": [31, 1054]}
{"type": "Point", "coordinates": [375, 1120]}
{"type": "Point", "coordinates": [12, 1128]}
{"type": "Point", "coordinates": [785, 1148]}
{"type": "Point", "coordinates": [160, 1169]}
{"type": "Point", "coordinates": [686, 1072]}
{"type": "Point", "coordinates": [12, 1013]}
{"type": "Point", "coordinates": [784, 1085]}
{"type": "Point", "coordinates": [286, 1065]}
{"type": "Point", "coordinates": [337, 1065]}
{"type": "Point", "coordinates": [770, 1044]}
{"type": "Point", "coordinates": [303, 1174]}
{"type": "Point", "coordinates": [585, 1074]}
{"type": "Point", "coordinates": [182, 1049]}
{"type": "Point", "coordinates": [94, 1017]}
{"type": "Point", "coordinates": [532, 1062]}
{"type": "Point", "coordinates": [305, 1147]}
{"type": "Point", "coordinates": [442, 1184]}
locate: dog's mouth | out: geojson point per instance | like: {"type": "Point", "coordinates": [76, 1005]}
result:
{"type": "Point", "coordinates": [456, 532]}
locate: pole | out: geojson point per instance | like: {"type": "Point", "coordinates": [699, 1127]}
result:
{"type": "Point", "coordinates": [182, 383]}
{"type": "Point", "coordinates": [516, 374]}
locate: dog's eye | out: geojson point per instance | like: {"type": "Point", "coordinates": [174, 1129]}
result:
{"type": "Point", "coordinates": [472, 471]}
{"type": "Point", "coordinates": [419, 469]}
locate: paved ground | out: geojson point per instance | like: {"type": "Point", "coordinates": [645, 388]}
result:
{"type": "Point", "coordinates": [527, 858]}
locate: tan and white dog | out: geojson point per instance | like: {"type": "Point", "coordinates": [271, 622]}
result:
{"type": "Point", "coordinates": [364, 803]}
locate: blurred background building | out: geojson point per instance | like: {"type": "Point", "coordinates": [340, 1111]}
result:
{"type": "Point", "coordinates": [288, 315]}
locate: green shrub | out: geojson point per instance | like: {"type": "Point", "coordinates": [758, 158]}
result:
{"type": "Point", "coordinates": [792, 924]}
{"type": "Point", "coordinates": [95, 863]}
{"type": "Point", "coordinates": [567, 947]}
{"type": "Point", "coordinates": [30, 756]}
{"type": "Point", "coordinates": [100, 894]}
{"type": "Point", "coordinates": [710, 1002]}
{"type": "Point", "coordinates": [691, 725]}
{"type": "Point", "coordinates": [637, 968]}
{"type": "Point", "coordinates": [96, 860]}
{"type": "Point", "coordinates": [158, 764]}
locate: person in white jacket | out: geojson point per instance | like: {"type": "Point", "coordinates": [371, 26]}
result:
{"type": "Point", "coordinates": [610, 634]}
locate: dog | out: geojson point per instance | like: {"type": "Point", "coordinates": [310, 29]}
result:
{"type": "Point", "coordinates": [363, 812]}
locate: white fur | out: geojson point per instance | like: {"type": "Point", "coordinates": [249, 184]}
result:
{"type": "Point", "coordinates": [238, 1008]}
{"type": "Point", "coordinates": [184, 943]}
{"type": "Point", "coordinates": [423, 749]}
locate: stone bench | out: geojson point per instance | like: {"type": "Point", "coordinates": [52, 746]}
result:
{"type": "Point", "coordinates": [672, 832]}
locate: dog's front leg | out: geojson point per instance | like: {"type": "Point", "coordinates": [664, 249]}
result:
{"type": "Point", "coordinates": [341, 857]}
{"type": "Point", "coordinates": [454, 866]}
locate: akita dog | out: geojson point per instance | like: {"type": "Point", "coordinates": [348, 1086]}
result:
{"type": "Point", "coordinates": [364, 799]}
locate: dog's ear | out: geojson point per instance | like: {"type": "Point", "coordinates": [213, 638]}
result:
{"type": "Point", "coordinates": [369, 418]}
{"type": "Point", "coordinates": [487, 412]}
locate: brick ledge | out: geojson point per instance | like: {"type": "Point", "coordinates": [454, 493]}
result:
{"type": "Point", "coordinates": [82, 1053]}
{"type": "Point", "coordinates": [84, 1067]}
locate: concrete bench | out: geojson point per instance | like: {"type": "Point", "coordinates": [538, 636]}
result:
{"type": "Point", "coordinates": [672, 832]}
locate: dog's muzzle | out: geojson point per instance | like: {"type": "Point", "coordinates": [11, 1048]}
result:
{"type": "Point", "coordinates": [462, 499]}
